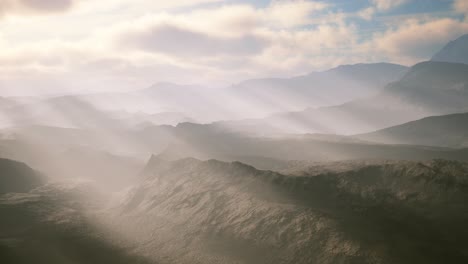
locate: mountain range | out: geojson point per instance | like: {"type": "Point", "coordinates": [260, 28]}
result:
{"type": "Point", "coordinates": [383, 212]}
{"type": "Point", "coordinates": [364, 163]}
{"type": "Point", "coordinates": [335, 86]}
{"type": "Point", "coordinates": [427, 89]}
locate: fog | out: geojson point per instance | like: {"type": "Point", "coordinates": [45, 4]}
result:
{"type": "Point", "coordinates": [173, 173]}
{"type": "Point", "coordinates": [213, 132]}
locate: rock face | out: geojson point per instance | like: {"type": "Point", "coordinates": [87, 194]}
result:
{"type": "Point", "coordinates": [191, 211]}
{"type": "Point", "coordinates": [455, 51]}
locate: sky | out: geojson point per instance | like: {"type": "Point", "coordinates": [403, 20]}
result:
{"type": "Point", "coordinates": [62, 46]}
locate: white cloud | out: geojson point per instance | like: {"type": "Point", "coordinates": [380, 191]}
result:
{"type": "Point", "coordinates": [415, 40]}
{"type": "Point", "coordinates": [240, 35]}
{"type": "Point", "coordinates": [385, 5]}
{"type": "Point", "coordinates": [291, 13]}
{"type": "Point", "coordinates": [8, 7]}
{"type": "Point", "coordinates": [178, 41]}
{"type": "Point", "coordinates": [123, 44]}
{"type": "Point", "coordinates": [211, 44]}
{"type": "Point", "coordinates": [366, 13]}
{"type": "Point", "coordinates": [461, 6]}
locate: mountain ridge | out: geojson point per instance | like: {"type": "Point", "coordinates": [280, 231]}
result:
{"type": "Point", "coordinates": [454, 51]}
{"type": "Point", "coordinates": [445, 130]}
{"type": "Point", "coordinates": [427, 89]}
{"type": "Point", "coordinates": [331, 217]}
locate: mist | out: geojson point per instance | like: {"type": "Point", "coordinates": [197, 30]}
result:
{"type": "Point", "coordinates": [233, 132]}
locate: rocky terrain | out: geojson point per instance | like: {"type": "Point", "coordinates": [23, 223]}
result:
{"type": "Point", "coordinates": [192, 211]}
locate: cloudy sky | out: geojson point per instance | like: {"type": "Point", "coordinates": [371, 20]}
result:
{"type": "Point", "coordinates": [87, 45]}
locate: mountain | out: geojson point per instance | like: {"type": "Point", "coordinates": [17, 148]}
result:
{"type": "Point", "coordinates": [260, 97]}
{"type": "Point", "coordinates": [170, 104]}
{"type": "Point", "coordinates": [191, 211]}
{"type": "Point", "coordinates": [53, 224]}
{"type": "Point", "coordinates": [455, 51]}
{"type": "Point", "coordinates": [93, 111]}
{"type": "Point", "coordinates": [212, 142]}
{"type": "Point", "coordinates": [335, 86]}
{"type": "Point", "coordinates": [427, 89]}
{"type": "Point", "coordinates": [67, 161]}
{"type": "Point", "coordinates": [199, 102]}
{"type": "Point", "coordinates": [18, 177]}
{"type": "Point", "coordinates": [64, 111]}
{"type": "Point", "coordinates": [446, 131]}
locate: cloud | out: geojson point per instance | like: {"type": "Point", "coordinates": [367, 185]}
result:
{"type": "Point", "coordinates": [461, 6]}
{"type": "Point", "coordinates": [415, 40]}
{"type": "Point", "coordinates": [214, 43]}
{"type": "Point", "coordinates": [177, 41]}
{"type": "Point", "coordinates": [366, 13]}
{"type": "Point", "coordinates": [385, 5]}
{"type": "Point", "coordinates": [379, 6]}
{"type": "Point", "coordinates": [204, 41]}
{"type": "Point", "coordinates": [8, 7]}
{"type": "Point", "coordinates": [239, 37]}
{"type": "Point", "coordinates": [291, 13]}
{"type": "Point", "coordinates": [227, 30]}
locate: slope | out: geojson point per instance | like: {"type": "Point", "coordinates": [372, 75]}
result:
{"type": "Point", "coordinates": [445, 131]}
{"type": "Point", "coordinates": [455, 51]}
{"type": "Point", "coordinates": [49, 223]}
{"type": "Point", "coordinates": [189, 211]}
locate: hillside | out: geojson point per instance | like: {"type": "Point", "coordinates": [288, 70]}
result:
{"type": "Point", "coordinates": [50, 223]}
{"type": "Point", "coordinates": [398, 212]}
{"type": "Point", "coordinates": [455, 51]}
{"type": "Point", "coordinates": [18, 177]}
{"type": "Point", "coordinates": [45, 227]}
{"type": "Point", "coordinates": [107, 170]}
{"type": "Point", "coordinates": [445, 131]}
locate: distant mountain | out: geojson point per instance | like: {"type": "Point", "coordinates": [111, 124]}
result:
{"type": "Point", "coordinates": [95, 111]}
{"type": "Point", "coordinates": [65, 111]}
{"type": "Point", "coordinates": [213, 142]}
{"type": "Point", "coordinates": [446, 130]}
{"type": "Point", "coordinates": [455, 51]}
{"type": "Point", "coordinates": [170, 104]}
{"type": "Point", "coordinates": [63, 160]}
{"type": "Point", "coordinates": [165, 118]}
{"type": "Point", "coordinates": [335, 86]}
{"type": "Point", "coordinates": [428, 89]}
{"type": "Point", "coordinates": [260, 97]}
{"type": "Point", "coordinates": [191, 211]}
{"type": "Point", "coordinates": [199, 102]}
{"type": "Point", "coordinates": [5, 105]}
{"type": "Point", "coordinates": [249, 99]}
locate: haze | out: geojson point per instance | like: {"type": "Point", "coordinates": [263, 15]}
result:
{"type": "Point", "coordinates": [219, 131]}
